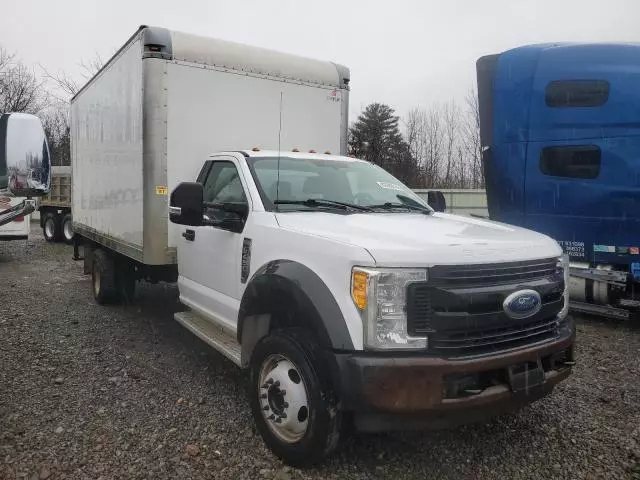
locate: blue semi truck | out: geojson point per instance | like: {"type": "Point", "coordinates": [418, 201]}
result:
{"type": "Point", "coordinates": [560, 134]}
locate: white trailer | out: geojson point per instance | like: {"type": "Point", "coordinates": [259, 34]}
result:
{"type": "Point", "coordinates": [157, 109]}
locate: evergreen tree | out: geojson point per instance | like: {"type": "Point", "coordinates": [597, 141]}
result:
{"type": "Point", "coordinates": [376, 137]}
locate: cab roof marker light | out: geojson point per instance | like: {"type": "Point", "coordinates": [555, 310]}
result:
{"type": "Point", "coordinates": [255, 149]}
{"type": "Point", "coordinates": [295, 150]}
{"type": "Point", "coordinates": [327, 152]}
{"type": "Point", "coordinates": [312, 151]}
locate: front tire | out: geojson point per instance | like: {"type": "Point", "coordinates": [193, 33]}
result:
{"type": "Point", "coordinates": [291, 398]}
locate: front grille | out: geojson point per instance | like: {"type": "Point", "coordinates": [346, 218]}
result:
{"type": "Point", "coordinates": [493, 273]}
{"type": "Point", "coordinates": [493, 340]}
{"type": "Point", "coordinates": [460, 308]}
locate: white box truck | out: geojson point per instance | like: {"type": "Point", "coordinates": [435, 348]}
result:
{"type": "Point", "coordinates": [345, 295]}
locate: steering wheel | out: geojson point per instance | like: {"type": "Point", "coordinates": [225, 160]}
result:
{"type": "Point", "coordinates": [364, 198]}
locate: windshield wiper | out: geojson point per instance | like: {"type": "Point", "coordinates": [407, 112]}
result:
{"type": "Point", "coordinates": [320, 202]}
{"type": "Point", "coordinates": [394, 205]}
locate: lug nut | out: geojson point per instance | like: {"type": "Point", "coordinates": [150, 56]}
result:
{"type": "Point", "coordinates": [272, 416]}
{"type": "Point", "coordinates": [277, 384]}
{"type": "Point", "coordinates": [283, 415]}
{"type": "Point", "coordinates": [265, 408]}
{"type": "Point", "coordinates": [278, 420]}
{"type": "Point", "coordinates": [264, 395]}
{"type": "Point", "coordinates": [285, 405]}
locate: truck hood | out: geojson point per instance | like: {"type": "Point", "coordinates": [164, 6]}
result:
{"type": "Point", "coordinates": [414, 239]}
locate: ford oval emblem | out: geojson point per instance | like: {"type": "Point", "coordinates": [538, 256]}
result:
{"type": "Point", "coordinates": [522, 304]}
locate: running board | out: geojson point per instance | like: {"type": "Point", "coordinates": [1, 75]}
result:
{"type": "Point", "coordinates": [222, 341]}
{"type": "Point", "coordinates": [602, 310]}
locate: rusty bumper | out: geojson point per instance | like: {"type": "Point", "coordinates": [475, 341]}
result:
{"type": "Point", "coordinates": [426, 392]}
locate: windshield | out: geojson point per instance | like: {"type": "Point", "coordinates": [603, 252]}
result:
{"type": "Point", "coordinates": [313, 182]}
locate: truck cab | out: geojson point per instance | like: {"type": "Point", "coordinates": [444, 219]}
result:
{"type": "Point", "coordinates": [560, 130]}
{"type": "Point", "coordinates": [346, 296]}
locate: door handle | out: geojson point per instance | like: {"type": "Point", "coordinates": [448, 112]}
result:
{"type": "Point", "coordinates": [189, 235]}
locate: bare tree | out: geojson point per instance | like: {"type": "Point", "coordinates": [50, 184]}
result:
{"type": "Point", "coordinates": [451, 126]}
{"type": "Point", "coordinates": [55, 121]}
{"type": "Point", "coordinates": [20, 89]}
{"type": "Point", "coordinates": [70, 85]}
{"type": "Point", "coordinates": [470, 137]}
{"type": "Point", "coordinates": [56, 118]}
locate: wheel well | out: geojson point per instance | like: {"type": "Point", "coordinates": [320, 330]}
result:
{"type": "Point", "coordinates": [277, 306]}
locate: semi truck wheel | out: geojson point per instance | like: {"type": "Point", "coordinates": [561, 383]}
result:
{"type": "Point", "coordinates": [103, 278]}
{"type": "Point", "coordinates": [67, 229]}
{"type": "Point", "coordinates": [51, 227]}
{"type": "Point", "coordinates": [290, 398]}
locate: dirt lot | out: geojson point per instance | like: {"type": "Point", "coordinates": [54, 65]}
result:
{"type": "Point", "coordinates": [125, 392]}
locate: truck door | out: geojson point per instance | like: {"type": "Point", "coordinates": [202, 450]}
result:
{"type": "Point", "coordinates": [209, 256]}
{"type": "Point", "coordinates": [582, 183]}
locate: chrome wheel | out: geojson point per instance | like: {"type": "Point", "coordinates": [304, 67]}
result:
{"type": "Point", "coordinates": [283, 398]}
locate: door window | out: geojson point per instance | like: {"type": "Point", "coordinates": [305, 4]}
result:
{"type": "Point", "coordinates": [222, 185]}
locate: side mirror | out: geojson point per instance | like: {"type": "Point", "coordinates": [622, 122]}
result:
{"type": "Point", "coordinates": [436, 200]}
{"type": "Point", "coordinates": [235, 221]}
{"type": "Point", "coordinates": [25, 164]}
{"type": "Point", "coordinates": [186, 204]}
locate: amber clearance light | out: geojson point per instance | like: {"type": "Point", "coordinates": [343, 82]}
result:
{"type": "Point", "coordinates": [359, 281]}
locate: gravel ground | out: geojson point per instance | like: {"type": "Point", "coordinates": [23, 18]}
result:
{"type": "Point", "coordinates": [125, 392]}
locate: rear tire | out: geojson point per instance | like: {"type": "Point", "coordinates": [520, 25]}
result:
{"type": "Point", "coordinates": [51, 227]}
{"type": "Point", "coordinates": [303, 425]}
{"type": "Point", "coordinates": [67, 229]}
{"type": "Point", "coordinates": [103, 278]}
{"type": "Point", "coordinates": [126, 281]}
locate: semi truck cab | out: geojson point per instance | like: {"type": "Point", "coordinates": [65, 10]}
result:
{"type": "Point", "coordinates": [559, 126]}
{"type": "Point", "coordinates": [344, 294]}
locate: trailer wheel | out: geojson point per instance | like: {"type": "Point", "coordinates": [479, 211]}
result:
{"type": "Point", "coordinates": [290, 398]}
{"type": "Point", "coordinates": [67, 229]}
{"type": "Point", "coordinates": [51, 227]}
{"type": "Point", "coordinates": [103, 278]}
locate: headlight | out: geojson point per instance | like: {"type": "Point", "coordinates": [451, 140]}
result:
{"type": "Point", "coordinates": [380, 296]}
{"type": "Point", "coordinates": [563, 262]}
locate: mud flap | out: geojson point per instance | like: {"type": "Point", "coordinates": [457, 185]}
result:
{"type": "Point", "coordinates": [526, 377]}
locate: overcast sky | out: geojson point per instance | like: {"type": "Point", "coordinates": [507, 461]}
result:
{"type": "Point", "coordinates": [401, 52]}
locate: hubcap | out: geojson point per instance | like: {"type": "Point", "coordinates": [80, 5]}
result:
{"type": "Point", "coordinates": [283, 398]}
{"type": "Point", "coordinates": [48, 228]}
{"type": "Point", "coordinates": [68, 232]}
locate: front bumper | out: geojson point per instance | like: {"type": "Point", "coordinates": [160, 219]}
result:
{"type": "Point", "coordinates": [392, 392]}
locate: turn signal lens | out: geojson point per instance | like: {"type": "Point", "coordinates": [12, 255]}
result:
{"type": "Point", "coordinates": [359, 289]}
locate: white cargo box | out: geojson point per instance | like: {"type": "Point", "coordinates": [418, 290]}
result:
{"type": "Point", "coordinates": [167, 100]}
